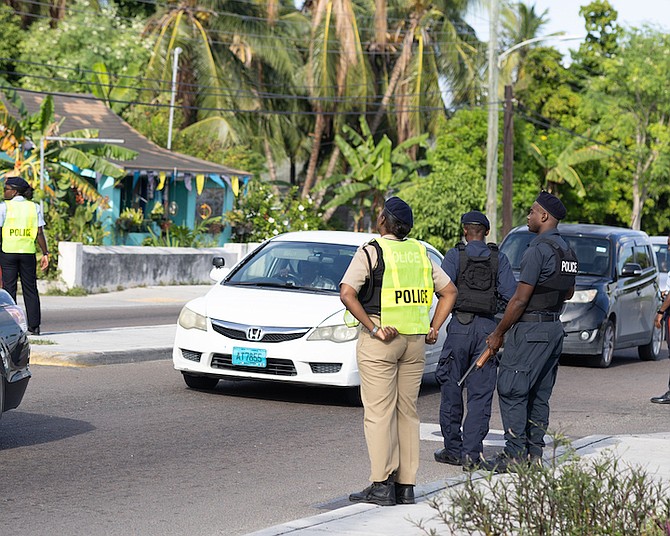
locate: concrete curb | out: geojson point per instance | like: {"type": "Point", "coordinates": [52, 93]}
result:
{"type": "Point", "coordinates": [91, 359]}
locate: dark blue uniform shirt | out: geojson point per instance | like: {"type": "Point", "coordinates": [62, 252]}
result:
{"type": "Point", "coordinates": [537, 264]}
{"type": "Point", "coordinates": [476, 248]}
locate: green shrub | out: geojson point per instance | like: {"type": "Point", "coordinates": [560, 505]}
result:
{"type": "Point", "coordinates": [571, 496]}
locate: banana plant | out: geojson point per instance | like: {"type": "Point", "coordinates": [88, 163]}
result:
{"type": "Point", "coordinates": [376, 170]}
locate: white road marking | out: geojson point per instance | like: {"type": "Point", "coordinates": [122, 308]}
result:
{"type": "Point", "coordinates": [495, 438]}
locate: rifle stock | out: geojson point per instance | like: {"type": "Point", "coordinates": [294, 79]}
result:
{"type": "Point", "coordinates": [479, 363]}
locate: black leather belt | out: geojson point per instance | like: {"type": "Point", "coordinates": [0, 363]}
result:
{"type": "Point", "coordinates": [540, 317]}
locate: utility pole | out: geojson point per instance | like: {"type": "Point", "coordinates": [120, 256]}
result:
{"type": "Point", "coordinates": [175, 68]}
{"type": "Point", "coordinates": [492, 138]}
{"type": "Point", "coordinates": [508, 161]}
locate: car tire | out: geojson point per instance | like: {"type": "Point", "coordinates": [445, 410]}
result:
{"type": "Point", "coordinates": [652, 350]}
{"type": "Point", "coordinates": [604, 360]}
{"type": "Point", "coordinates": [200, 382]}
{"type": "Point", "coordinates": [2, 394]}
{"type": "Point", "coordinates": [352, 396]}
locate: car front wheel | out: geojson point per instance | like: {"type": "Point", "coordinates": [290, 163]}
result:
{"type": "Point", "coordinates": [200, 382]}
{"type": "Point", "coordinates": [604, 360]}
{"type": "Point", "coordinates": [652, 350]}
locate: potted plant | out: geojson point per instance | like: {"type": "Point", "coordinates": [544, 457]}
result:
{"type": "Point", "coordinates": [157, 213]}
{"type": "Point", "coordinates": [132, 226]}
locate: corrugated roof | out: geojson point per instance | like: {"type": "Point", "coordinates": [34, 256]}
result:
{"type": "Point", "coordinates": [84, 111]}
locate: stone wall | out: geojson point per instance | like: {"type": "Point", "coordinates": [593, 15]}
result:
{"type": "Point", "coordinates": [106, 268]}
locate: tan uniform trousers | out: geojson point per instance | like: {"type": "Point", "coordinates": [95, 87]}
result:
{"type": "Point", "coordinates": [390, 379]}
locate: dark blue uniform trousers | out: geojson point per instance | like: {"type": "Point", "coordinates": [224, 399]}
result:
{"type": "Point", "coordinates": [526, 377]}
{"type": "Point", "coordinates": [463, 345]}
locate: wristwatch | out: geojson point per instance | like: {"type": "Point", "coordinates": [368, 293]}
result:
{"type": "Point", "coordinates": [374, 331]}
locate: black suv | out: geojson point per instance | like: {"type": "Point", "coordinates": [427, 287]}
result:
{"type": "Point", "coordinates": [616, 291]}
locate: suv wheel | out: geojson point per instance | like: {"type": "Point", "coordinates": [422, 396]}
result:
{"type": "Point", "coordinates": [652, 350]}
{"type": "Point", "coordinates": [200, 382]}
{"type": "Point", "coordinates": [604, 360]}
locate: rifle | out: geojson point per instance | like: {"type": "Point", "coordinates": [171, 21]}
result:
{"type": "Point", "coordinates": [487, 354]}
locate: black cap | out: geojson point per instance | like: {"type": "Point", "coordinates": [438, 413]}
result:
{"type": "Point", "coordinates": [400, 210]}
{"type": "Point", "coordinates": [17, 183]}
{"type": "Point", "coordinates": [552, 205]}
{"type": "Point", "coordinates": [474, 216]}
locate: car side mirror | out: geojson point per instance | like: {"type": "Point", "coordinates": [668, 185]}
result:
{"type": "Point", "coordinates": [631, 269]}
{"type": "Point", "coordinates": [218, 271]}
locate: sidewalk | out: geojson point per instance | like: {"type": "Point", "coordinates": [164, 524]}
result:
{"type": "Point", "coordinates": [371, 520]}
{"type": "Point", "coordinates": [116, 345]}
{"type": "Point", "coordinates": [124, 345]}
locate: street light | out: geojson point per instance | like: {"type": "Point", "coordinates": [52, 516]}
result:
{"type": "Point", "coordinates": [175, 68]}
{"type": "Point", "coordinates": [65, 138]}
{"type": "Point", "coordinates": [495, 62]}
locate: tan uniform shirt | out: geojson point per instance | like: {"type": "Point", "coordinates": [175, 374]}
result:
{"type": "Point", "coordinates": [359, 269]}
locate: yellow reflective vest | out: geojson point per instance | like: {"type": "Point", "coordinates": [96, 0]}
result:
{"type": "Point", "coordinates": [407, 286]}
{"type": "Point", "coordinates": [20, 228]}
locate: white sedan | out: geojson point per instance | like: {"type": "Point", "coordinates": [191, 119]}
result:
{"type": "Point", "coordinates": [277, 316]}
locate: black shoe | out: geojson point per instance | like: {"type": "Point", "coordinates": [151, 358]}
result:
{"type": "Point", "coordinates": [503, 463]}
{"type": "Point", "coordinates": [404, 494]}
{"type": "Point", "coordinates": [443, 456]}
{"type": "Point", "coordinates": [663, 399]}
{"type": "Point", "coordinates": [381, 493]}
{"type": "Point", "coordinates": [471, 465]}
{"type": "Point", "coordinates": [34, 331]}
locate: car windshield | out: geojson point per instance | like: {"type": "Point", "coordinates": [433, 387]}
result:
{"type": "Point", "coordinates": [299, 265]}
{"type": "Point", "coordinates": [593, 254]}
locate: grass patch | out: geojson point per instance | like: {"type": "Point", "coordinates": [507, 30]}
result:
{"type": "Point", "coordinates": [40, 341]}
{"type": "Point", "coordinates": [74, 291]}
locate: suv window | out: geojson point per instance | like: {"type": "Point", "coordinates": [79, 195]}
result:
{"type": "Point", "coordinates": [593, 254]}
{"type": "Point", "coordinates": [643, 256]}
{"type": "Point", "coordinates": [627, 256]}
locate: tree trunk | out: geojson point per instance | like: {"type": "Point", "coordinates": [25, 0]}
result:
{"type": "Point", "coordinates": [272, 169]}
{"type": "Point", "coordinates": [319, 129]}
{"type": "Point", "coordinates": [636, 215]}
{"type": "Point", "coordinates": [398, 70]}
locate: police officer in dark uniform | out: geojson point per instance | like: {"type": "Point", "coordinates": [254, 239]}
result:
{"type": "Point", "coordinates": [527, 371]}
{"type": "Point", "coordinates": [482, 275]}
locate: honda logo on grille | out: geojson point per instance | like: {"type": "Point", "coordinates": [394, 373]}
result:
{"type": "Point", "coordinates": [254, 334]}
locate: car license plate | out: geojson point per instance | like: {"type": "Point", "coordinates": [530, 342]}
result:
{"type": "Point", "coordinates": [249, 357]}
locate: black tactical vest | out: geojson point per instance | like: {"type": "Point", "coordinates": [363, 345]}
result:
{"type": "Point", "coordinates": [550, 295]}
{"type": "Point", "coordinates": [477, 282]}
{"type": "Point", "coordinates": [370, 293]}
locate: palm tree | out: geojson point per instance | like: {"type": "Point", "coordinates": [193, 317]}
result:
{"type": "Point", "coordinates": [560, 169]}
{"type": "Point", "coordinates": [337, 73]}
{"type": "Point", "coordinates": [520, 23]}
{"type": "Point", "coordinates": [435, 42]}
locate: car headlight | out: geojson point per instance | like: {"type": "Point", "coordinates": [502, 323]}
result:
{"type": "Point", "coordinates": [340, 333]}
{"type": "Point", "coordinates": [191, 320]}
{"type": "Point", "coordinates": [583, 296]}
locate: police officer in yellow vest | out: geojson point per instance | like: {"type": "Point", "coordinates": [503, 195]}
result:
{"type": "Point", "coordinates": [22, 224]}
{"type": "Point", "coordinates": [389, 289]}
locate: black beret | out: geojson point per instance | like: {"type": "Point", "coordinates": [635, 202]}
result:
{"type": "Point", "coordinates": [552, 205]}
{"type": "Point", "coordinates": [474, 216]}
{"type": "Point", "coordinates": [401, 210]}
{"type": "Point", "coordinates": [17, 183]}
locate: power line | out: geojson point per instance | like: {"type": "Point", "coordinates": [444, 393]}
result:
{"type": "Point", "coordinates": [407, 109]}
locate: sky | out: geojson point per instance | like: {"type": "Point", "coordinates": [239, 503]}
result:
{"type": "Point", "coordinates": [564, 16]}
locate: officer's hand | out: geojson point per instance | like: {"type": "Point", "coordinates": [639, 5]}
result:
{"type": "Point", "coordinates": [494, 341]}
{"type": "Point", "coordinates": [387, 333]}
{"type": "Point", "coordinates": [431, 338]}
{"type": "Point", "coordinates": [44, 262]}
{"type": "Point", "coordinates": [657, 320]}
